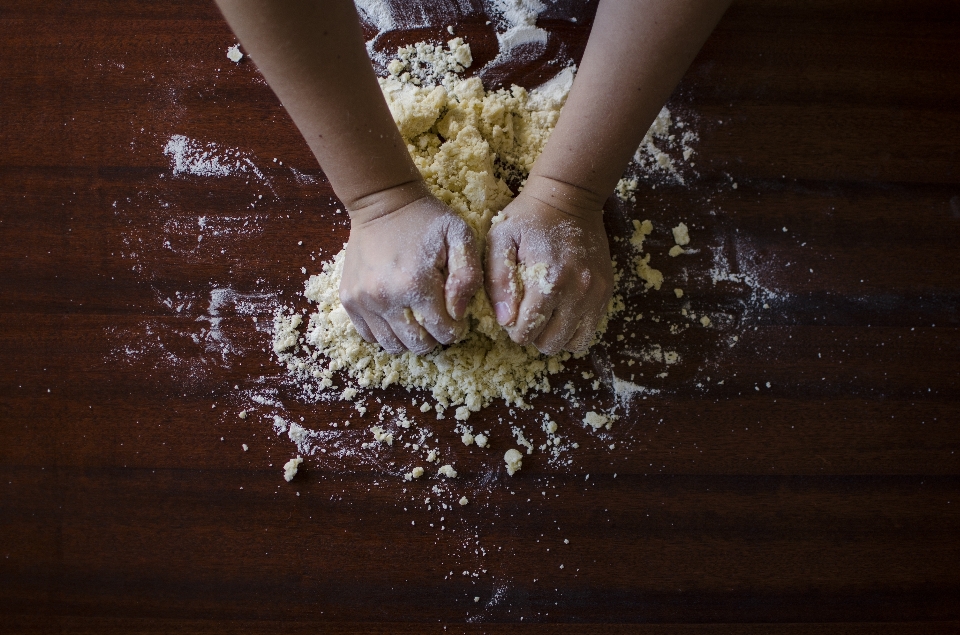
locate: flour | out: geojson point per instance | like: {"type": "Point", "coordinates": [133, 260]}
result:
{"type": "Point", "coordinates": [190, 156]}
{"type": "Point", "coordinates": [660, 155]}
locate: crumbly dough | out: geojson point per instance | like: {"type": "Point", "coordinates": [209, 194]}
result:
{"type": "Point", "coordinates": [466, 142]}
{"type": "Point", "coordinates": [290, 468]}
{"type": "Point", "coordinates": [234, 54]}
{"type": "Point", "coordinates": [514, 460]}
{"type": "Point", "coordinates": [381, 435]}
{"type": "Point", "coordinates": [681, 235]}
{"type": "Point", "coordinates": [598, 420]}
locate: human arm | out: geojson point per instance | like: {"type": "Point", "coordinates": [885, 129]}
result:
{"type": "Point", "coordinates": [407, 254]}
{"type": "Point", "coordinates": [637, 52]}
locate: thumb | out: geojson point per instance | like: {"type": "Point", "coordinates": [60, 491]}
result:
{"type": "Point", "coordinates": [464, 271]}
{"type": "Point", "coordinates": [503, 286]}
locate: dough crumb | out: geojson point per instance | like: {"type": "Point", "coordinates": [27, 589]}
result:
{"type": "Point", "coordinates": [243, 414]}
{"type": "Point", "coordinates": [597, 420]}
{"type": "Point", "coordinates": [480, 440]}
{"type": "Point", "coordinates": [705, 321]}
{"type": "Point", "coordinates": [676, 250]}
{"type": "Point", "coordinates": [463, 500]}
{"type": "Point", "coordinates": [678, 292]}
{"type": "Point", "coordinates": [244, 446]}
{"type": "Point", "coordinates": [514, 461]}
{"type": "Point", "coordinates": [290, 468]}
{"type": "Point", "coordinates": [234, 54]}
{"type": "Point", "coordinates": [448, 471]}
{"type": "Point", "coordinates": [381, 435]}
{"type": "Point", "coordinates": [681, 235]}
{"type": "Point", "coordinates": [416, 472]}
{"type": "Point", "coordinates": [640, 232]}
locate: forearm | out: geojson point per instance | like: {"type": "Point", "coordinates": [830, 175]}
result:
{"type": "Point", "coordinates": [637, 52]}
{"type": "Point", "coordinates": [313, 56]}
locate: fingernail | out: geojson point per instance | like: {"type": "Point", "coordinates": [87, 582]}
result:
{"type": "Point", "coordinates": [502, 309]}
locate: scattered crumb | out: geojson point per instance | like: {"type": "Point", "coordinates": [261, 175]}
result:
{"type": "Point", "coordinates": [290, 468]}
{"type": "Point", "coordinates": [597, 420]}
{"type": "Point", "coordinates": [514, 461]}
{"type": "Point", "coordinates": [381, 435]}
{"type": "Point", "coordinates": [416, 472]}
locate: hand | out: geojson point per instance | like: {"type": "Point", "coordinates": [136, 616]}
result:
{"type": "Point", "coordinates": [549, 274]}
{"type": "Point", "coordinates": [409, 274]}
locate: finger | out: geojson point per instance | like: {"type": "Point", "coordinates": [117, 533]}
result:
{"type": "Point", "coordinates": [559, 330]}
{"type": "Point", "coordinates": [531, 321]}
{"type": "Point", "coordinates": [384, 334]}
{"type": "Point", "coordinates": [501, 281]}
{"type": "Point", "coordinates": [539, 301]}
{"type": "Point", "coordinates": [464, 271]}
{"type": "Point", "coordinates": [361, 325]}
{"type": "Point", "coordinates": [430, 313]}
{"type": "Point", "coordinates": [407, 328]}
{"type": "Point", "coordinates": [586, 331]}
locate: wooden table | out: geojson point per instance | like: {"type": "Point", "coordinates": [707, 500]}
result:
{"type": "Point", "coordinates": [824, 501]}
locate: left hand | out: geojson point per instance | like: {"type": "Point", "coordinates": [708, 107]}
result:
{"type": "Point", "coordinates": [559, 309]}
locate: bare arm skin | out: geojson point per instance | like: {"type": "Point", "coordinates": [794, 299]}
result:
{"type": "Point", "coordinates": [637, 52]}
{"type": "Point", "coordinates": [402, 240]}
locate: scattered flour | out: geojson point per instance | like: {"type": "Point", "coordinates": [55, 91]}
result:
{"type": "Point", "coordinates": [652, 161]}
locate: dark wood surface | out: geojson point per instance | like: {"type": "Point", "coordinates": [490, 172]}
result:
{"type": "Point", "coordinates": [826, 503]}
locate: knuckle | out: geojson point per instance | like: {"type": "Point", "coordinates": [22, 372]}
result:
{"type": "Point", "coordinates": [586, 279]}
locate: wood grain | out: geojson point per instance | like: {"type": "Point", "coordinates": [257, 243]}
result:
{"type": "Point", "coordinates": [826, 503]}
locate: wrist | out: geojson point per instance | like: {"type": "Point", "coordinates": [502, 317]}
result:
{"type": "Point", "coordinates": [374, 205]}
{"type": "Point", "coordinates": [566, 197]}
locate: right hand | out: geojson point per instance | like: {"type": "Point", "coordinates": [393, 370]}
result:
{"type": "Point", "coordinates": [409, 273]}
